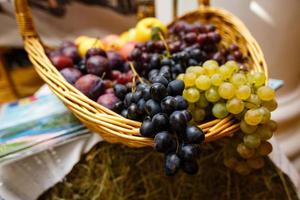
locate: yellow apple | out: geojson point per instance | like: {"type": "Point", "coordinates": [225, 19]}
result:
{"type": "Point", "coordinates": [144, 28]}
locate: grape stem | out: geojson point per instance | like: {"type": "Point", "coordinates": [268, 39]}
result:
{"type": "Point", "coordinates": [161, 37]}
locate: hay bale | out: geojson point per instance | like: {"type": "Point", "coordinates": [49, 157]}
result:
{"type": "Point", "coordinates": [112, 171]}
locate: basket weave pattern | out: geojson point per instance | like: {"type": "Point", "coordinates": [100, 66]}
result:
{"type": "Point", "coordinates": [111, 126]}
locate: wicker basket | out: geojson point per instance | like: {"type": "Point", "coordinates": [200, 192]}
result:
{"type": "Point", "coordinates": [111, 126]}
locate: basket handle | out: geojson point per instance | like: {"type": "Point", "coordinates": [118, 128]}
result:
{"type": "Point", "coordinates": [204, 2]}
{"type": "Point", "coordinates": [24, 19]}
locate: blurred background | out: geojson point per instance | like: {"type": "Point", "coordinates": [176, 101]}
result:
{"type": "Point", "coordinates": [273, 23]}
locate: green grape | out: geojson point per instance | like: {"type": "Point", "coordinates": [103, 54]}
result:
{"type": "Point", "coordinates": [192, 95]}
{"type": "Point", "coordinates": [243, 92]}
{"type": "Point", "coordinates": [252, 141]}
{"type": "Point", "coordinates": [225, 72]}
{"type": "Point", "coordinates": [247, 129]}
{"type": "Point", "coordinates": [238, 79]}
{"type": "Point", "coordinates": [266, 115]}
{"type": "Point", "coordinates": [258, 78]}
{"type": "Point", "coordinates": [226, 90]}
{"type": "Point", "coordinates": [189, 79]}
{"type": "Point", "coordinates": [256, 163]}
{"type": "Point", "coordinates": [180, 77]}
{"type": "Point", "coordinates": [265, 148]}
{"type": "Point", "coordinates": [203, 82]}
{"type": "Point", "coordinates": [270, 105]}
{"type": "Point", "coordinates": [216, 79]}
{"type": "Point", "coordinates": [244, 151]}
{"type": "Point", "coordinates": [253, 117]}
{"type": "Point", "coordinates": [219, 110]}
{"type": "Point", "coordinates": [242, 168]}
{"type": "Point", "coordinates": [265, 93]}
{"type": "Point", "coordinates": [233, 66]}
{"type": "Point", "coordinates": [196, 70]}
{"type": "Point", "coordinates": [191, 107]}
{"type": "Point", "coordinates": [212, 95]}
{"type": "Point", "coordinates": [272, 125]}
{"type": "Point", "coordinates": [235, 106]}
{"type": "Point", "coordinates": [198, 115]}
{"type": "Point", "coordinates": [230, 162]}
{"type": "Point", "coordinates": [264, 132]}
{"type": "Point", "coordinates": [252, 102]}
{"type": "Point", "coordinates": [202, 102]}
{"type": "Point", "coordinates": [211, 67]}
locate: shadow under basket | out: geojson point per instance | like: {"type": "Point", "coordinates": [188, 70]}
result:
{"type": "Point", "coordinates": [111, 126]}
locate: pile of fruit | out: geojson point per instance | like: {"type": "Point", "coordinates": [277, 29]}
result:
{"type": "Point", "coordinates": [172, 79]}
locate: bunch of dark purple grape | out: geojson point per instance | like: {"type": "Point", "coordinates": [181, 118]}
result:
{"type": "Point", "coordinates": [165, 117]}
{"type": "Point", "coordinates": [187, 45]}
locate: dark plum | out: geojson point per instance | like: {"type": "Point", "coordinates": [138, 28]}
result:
{"type": "Point", "coordinates": [108, 100]}
{"type": "Point", "coordinates": [61, 62]}
{"type": "Point", "coordinates": [71, 52]}
{"type": "Point", "coordinates": [95, 52]}
{"type": "Point", "coordinates": [90, 85]}
{"type": "Point", "coordinates": [97, 65]}
{"type": "Point", "coordinates": [71, 74]}
{"type": "Point", "coordinates": [115, 60]}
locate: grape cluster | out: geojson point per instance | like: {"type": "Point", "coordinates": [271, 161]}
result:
{"type": "Point", "coordinates": [224, 90]}
{"type": "Point", "coordinates": [187, 45]}
{"type": "Point", "coordinates": [165, 118]}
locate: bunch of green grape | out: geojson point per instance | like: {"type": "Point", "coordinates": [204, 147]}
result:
{"type": "Point", "coordinates": [226, 90]}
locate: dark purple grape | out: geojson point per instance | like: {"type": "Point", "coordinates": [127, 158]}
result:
{"type": "Point", "coordinates": [160, 79]}
{"type": "Point", "coordinates": [188, 152]}
{"type": "Point", "coordinates": [147, 128]}
{"type": "Point", "coordinates": [160, 121]}
{"type": "Point", "coordinates": [190, 38]}
{"type": "Point", "coordinates": [190, 167]}
{"type": "Point", "coordinates": [168, 104]}
{"type": "Point", "coordinates": [181, 103]}
{"type": "Point", "coordinates": [136, 54]}
{"type": "Point", "coordinates": [164, 142]}
{"type": "Point", "coordinates": [175, 87]}
{"type": "Point", "coordinates": [120, 91]}
{"type": "Point", "coordinates": [132, 111]}
{"type": "Point", "coordinates": [193, 135]}
{"type": "Point", "coordinates": [177, 121]}
{"type": "Point", "coordinates": [152, 107]}
{"type": "Point", "coordinates": [172, 164]}
{"type": "Point", "coordinates": [158, 91]}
